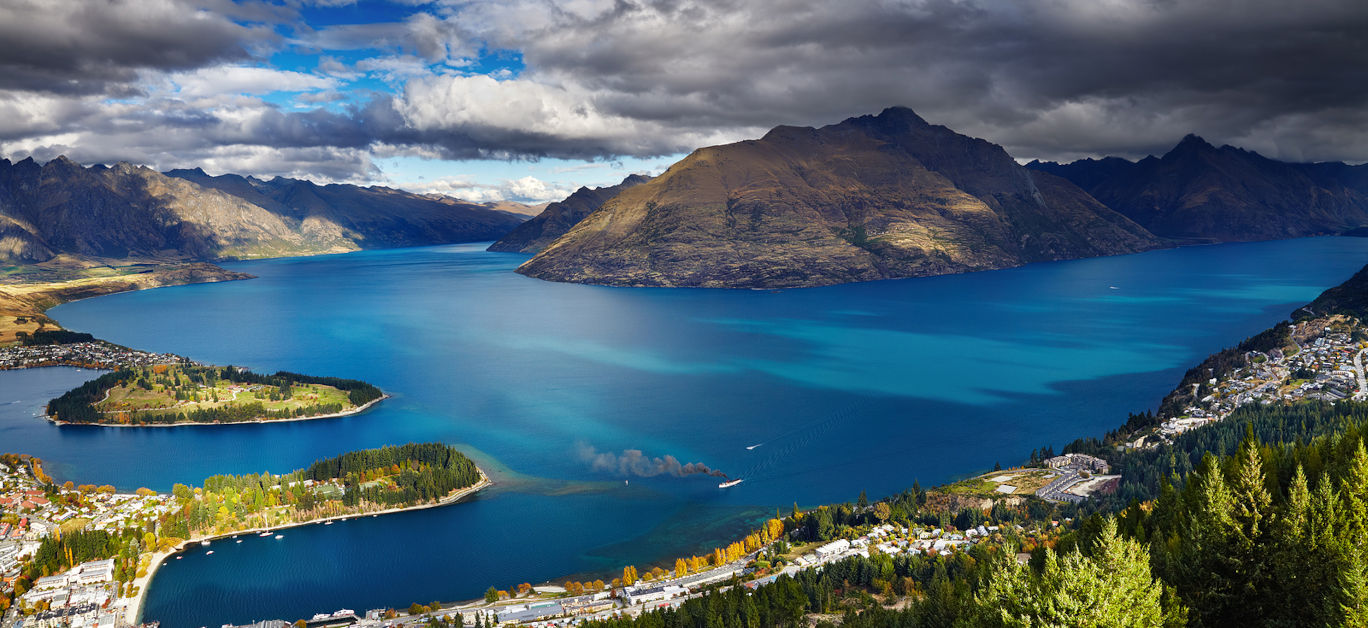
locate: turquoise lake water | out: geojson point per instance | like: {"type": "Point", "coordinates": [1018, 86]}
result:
{"type": "Point", "coordinates": [845, 388]}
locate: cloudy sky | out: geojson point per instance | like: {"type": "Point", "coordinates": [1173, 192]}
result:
{"type": "Point", "coordinates": [528, 99]}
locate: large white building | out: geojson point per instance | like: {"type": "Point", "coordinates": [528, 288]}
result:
{"type": "Point", "coordinates": [1078, 461]}
{"type": "Point", "coordinates": [833, 548]}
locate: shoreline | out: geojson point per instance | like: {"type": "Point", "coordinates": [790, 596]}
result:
{"type": "Point", "coordinates": [133, 610]}
{"type": "Point", "coordinates": [334, 415]}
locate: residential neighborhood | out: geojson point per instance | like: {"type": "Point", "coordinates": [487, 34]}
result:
{"type": "Point", "coordinates": [1324, 362]}
{"type": "Point", "coordinates": [93, 355]}
{"type": "Point", "coordinates": [88, 594]}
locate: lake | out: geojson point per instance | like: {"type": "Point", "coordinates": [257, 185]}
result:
{"type": "Point", "coordinates": [809, 395]}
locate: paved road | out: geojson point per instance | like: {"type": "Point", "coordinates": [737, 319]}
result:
{"type": "Point", "coordinates": [1362, 380]}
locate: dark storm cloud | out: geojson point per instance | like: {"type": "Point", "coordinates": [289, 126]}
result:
{"type": "Point", "coordinates": [97, 46]}
{"type": "Point", "coordinates": [1053, 79]}
{"type": "Point", "coordinates": [1045, 78]}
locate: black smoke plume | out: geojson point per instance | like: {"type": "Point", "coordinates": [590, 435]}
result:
{"type": "Point", "coordinates": [634, 462]}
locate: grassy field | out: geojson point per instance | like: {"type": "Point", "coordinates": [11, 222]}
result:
{"type": "Point", "coordinates": [1025, 482]}
{"type": "Point", "coordinates": [162, 399]}
{"type": "Point", "coordinates": [73, 524]}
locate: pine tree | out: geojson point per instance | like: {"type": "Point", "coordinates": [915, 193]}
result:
{"type": "Point", "coordinates": [1296, 515]}
{"type": "Point", "coordinates": [1111, 587]}
{"type": "Point", "coordinates": [1354, 488]}
{"type": "Point", "coordinates": [1251, 498]}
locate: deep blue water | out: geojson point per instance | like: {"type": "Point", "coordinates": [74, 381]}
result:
{"type": "Point", "coordinates": [864, 386]}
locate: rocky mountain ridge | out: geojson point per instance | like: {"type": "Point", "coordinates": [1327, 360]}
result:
{"type": "Point", "coordinates": [1199, 192]}
{"type": "Point", "coordinates": [873, 197]}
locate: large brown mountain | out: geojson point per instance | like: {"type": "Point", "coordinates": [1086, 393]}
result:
{"type": "Point", "coordinates": [125, 211]}
{"type": "Point", "coordinates": [1200, 192]}
{"type": "Point", "coordinates": [554, 221]}
{"type": "Point", "coordinates": [873, 197]}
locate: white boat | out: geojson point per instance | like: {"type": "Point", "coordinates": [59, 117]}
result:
{"type": "Point", "coordinates": [279, 536]}
{"type": "Point", "coordinates": [753, 446]}
{"type": "Point", "coordinates": [730, 483]}
{"type": "Point", "coordinates": [266, 533]}
{"type": "Point", "coordinates": [327, 523]}
{"type": "Point", "coordinates": [239, 540]}
{"type": "Point", "coordinates": [204, 543]}
{"type": "Point", "coordinates": [209, 552]}
{"type": "Point", "coordinates": [178, 558]}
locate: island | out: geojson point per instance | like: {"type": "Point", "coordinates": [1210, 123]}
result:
{"type": "Point", "coordinates": [190, 394]}
{"type": "Point", "coordinates": [99, 544]}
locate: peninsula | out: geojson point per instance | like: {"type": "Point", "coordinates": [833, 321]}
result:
{"type": "Point", "coordinates": [190, 394]}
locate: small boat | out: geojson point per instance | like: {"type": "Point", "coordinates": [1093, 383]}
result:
{"type": "Point", "coordinates": [754, 446]}
{"type": "Point", "coordinates": [730, 483]}
{"type": "Point", "coordinates": [204, 543]}
{"type": "Point", "coordinates": [209, 552]}
{"type": "Point", "coordinates": [239, 540]}
{"type": "Point", "coordinates": [327, 523]}
{"type": "Point", "coordinates": [279, 536]}
{"type": "Point", "coordinates": [178, 558]}
{"type": "Point", "coordinates": [266, 533]}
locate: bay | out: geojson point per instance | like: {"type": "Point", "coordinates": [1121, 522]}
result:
{"type": "Point", "coordinates": [843, 389]}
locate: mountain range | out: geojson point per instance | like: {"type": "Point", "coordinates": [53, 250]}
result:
{"type": "Point", "coordinates": [873, 197]}
{"type": "Point", "coordinates": [133, 212]}
{"type": "Point", "coordinates": [1198, 192]}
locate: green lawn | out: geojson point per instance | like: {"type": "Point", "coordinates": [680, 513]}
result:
{"type": "Point", "coordinates": [129, 398]}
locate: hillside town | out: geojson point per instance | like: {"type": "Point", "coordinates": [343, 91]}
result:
{"type": "Point", "coordinates": [88, 594]}
{"type": "Point", "coordinates": [1323, 361]}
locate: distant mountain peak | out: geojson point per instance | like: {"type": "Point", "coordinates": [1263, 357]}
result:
{"type": "Point", "coordinates": [1192, 143]}
{"type": "Point", "coordinates": [891, 121]}
{"type": "Point", "coordinates": [899, 112]}
{"type": "Point", "coordinates": [63, 161]}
